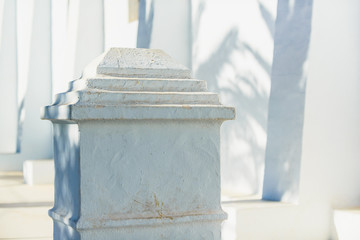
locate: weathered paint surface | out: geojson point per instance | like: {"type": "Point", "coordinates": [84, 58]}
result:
{"type": "Point", "coordinates": [137, 156]}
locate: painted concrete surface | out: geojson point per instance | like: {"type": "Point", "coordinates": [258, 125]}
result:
{"type": "Point", "coordinates": [118, 31]}
{"type": "Point", "coordinates": [8, 78]}
{"type": "Point", "coordinates": [330, 153]}
{"type": "Point", "coordinates": [137, 151]}
{"type": "Point", "coordinates": [74, 44]}
{"type": "Point", "coordinates": [157, 19]}
{"type": "Point", "coordinates": [24, 209]}
{"type": "Point", "coordinates": [33, 83]}
{"type": "Point", "coordinates": [125, 103]}
{"type": "Point", "coordinates": [177, 40]}
{"type": "Point", "coordinates": [67, 179]}
{"type": "Point", "coordinates": [287, 101]}
{"type": "Point", "coordinates": [232, 47]}
{"type": "Point", "coordinates": [217, 42]}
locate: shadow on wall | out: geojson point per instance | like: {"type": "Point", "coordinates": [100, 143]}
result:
{"type": "Point", "coordinates": [232, 70]}
{"type": "Point", "coordinates": [250, 110]}
{"type": "Point", "coordinates": [287, 100]}
{"type": "Point", "coordinates": [238, 70]}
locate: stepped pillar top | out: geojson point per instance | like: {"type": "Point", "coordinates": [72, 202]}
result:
{"type": "Point", "coordinates": [125, 83]}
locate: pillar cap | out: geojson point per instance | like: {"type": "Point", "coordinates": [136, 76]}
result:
{"type": "Point", "coordinates": [125, 83]}
{"type": "Point", "coordinates": [136, 62]}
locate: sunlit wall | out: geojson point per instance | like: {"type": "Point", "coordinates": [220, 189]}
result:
{"type": "Point", "coordinates": [232, 50]}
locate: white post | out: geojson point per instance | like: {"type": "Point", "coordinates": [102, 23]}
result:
{"type": "Point", "coordinates": [137, 151]}
{"type": "Point", "coordinates": [8, 78]}
{"type": "Point", "coordinates": [78, 37]}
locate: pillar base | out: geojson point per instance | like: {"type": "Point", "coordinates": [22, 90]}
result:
{"type": "Point", "coordinates": [202, 226]}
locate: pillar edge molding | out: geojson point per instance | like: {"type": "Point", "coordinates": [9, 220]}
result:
{"type": "Point", "coordinates": [110, 88]}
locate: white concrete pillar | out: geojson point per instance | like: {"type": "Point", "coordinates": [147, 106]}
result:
{"type": "Point", "coordinates": [60, 56]}
{"type": "Point", "coordinates": [33, 81]}
{"type": "Point", "coordinates": [137, 144]}
{"type": "Point", "coordinates": [166, 25]}
{"type": "Point", "coordinates": [77, 38]}
{"type": "Point", "coordinates": [118, 30]}
{"type": "Point", "coordinates": [8, 78]}
{"type": "Point", "coordinates": [171, 29]}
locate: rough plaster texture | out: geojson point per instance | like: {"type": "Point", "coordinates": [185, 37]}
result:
{"type": "Point", "coordinates": [140, 63]}
{"type": "Point", "coordinates": [66, 208]}
{"type": "Point", "coordinates": [137, 157]}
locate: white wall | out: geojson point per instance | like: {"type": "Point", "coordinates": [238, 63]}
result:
{"type": "Point", "coordinates": [232, 50]}
{"type": "Point", "coordinates": [216, 40]}
{"type": "Point", "coordinates": [331, 153]}
{"type": "Point", "coordinates": [330, 163]}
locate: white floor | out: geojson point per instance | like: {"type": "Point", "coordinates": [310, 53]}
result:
{"type": "Point", "coordinates": [23, 208]}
